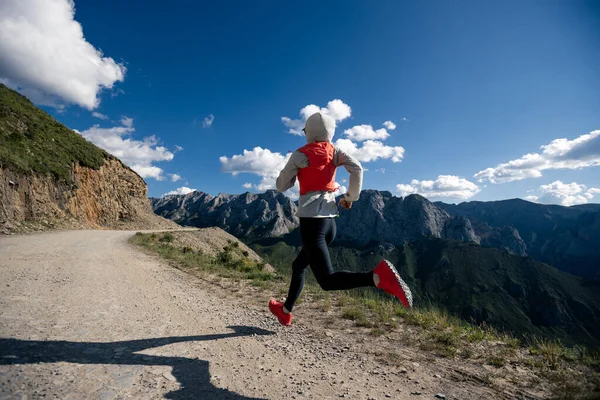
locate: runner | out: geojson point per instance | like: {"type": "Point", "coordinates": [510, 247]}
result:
{"type": "Point", "coordinates": [314, 166]}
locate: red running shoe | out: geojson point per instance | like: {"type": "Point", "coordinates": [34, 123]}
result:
{"type": "Point", "coordinates": [277, 310]}
{"type": "Point", "coordinates": [390, 282]}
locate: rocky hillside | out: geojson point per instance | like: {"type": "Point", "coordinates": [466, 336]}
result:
{"type": "Point", "coordinates": [246, 215]}
{"type": "Point", "coordinates": [50, 177]}
{"type": "Point", "coordinates": [564, 237]}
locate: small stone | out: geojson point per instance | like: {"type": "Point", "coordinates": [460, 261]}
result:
{"type": "Point", "coordinates": [440, 396]}
{"type": "Point", "coordinates": [416, 393]}
{"type": "Point", "coordinates": [437, 376]}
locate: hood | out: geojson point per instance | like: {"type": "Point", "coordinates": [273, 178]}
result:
{"type": "Point", "coordinates": [319, 127]}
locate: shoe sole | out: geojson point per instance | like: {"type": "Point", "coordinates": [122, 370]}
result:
{"type": "Point", "coordinates": [403, 285]}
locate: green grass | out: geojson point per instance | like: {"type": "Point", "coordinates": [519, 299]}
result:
{"type": "Point", "coordinates": [229, 263]}
{"type": "Point", "coordinates": [31, 141]}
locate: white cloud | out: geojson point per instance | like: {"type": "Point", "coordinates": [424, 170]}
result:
{"type": "Point", "coordinates": [360, 133]}
{"type": "Point", "coordinates": [335, 108]}
{"type": "Point", "coordinates": [247, 185]}
{"type": "Point", "coordinates": [371, 150]}
{"type": "Point", "coordinates": [382, 170]}
{"type": "Point", "coordinates": [148, 171]}
{"type": "Point", "coordinates": [405, 119]}
{"type": "Point", "coordinates": [138, 154]}
{"type": "Point", "coordinates": [99, 115]}
{"type": "Point", "coordinates": [532, 198]}
{"type": "Point", "coordinates": [207, 121]}
{"type": "Point", "coordinates": [581, 152]}
{"type": "Point", "coordinates": [389, 125]}
{"type": "Point", "coordinates": [44, 54]}
{"type": "Point", "coordinates": [258, 161]}
{"type": "Point", "coordinates": [445, 186]}
{"type": "Point", "coordinates": [126, 121]}
{"type": "Point", "coordinates": [175, 177]}
{"type": "Point", "coordinates": [178, 148]}
{"type": "Point", "coordinates": [181, 190]}
{"type": "Point", "coordinates": [566, 194]}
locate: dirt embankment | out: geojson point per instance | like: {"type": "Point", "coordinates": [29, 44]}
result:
{"type": "Point", "coordinates": [112, 197]}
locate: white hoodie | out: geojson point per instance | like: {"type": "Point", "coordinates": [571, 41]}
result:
{"type": "Point", "coordinates": [320, 204]}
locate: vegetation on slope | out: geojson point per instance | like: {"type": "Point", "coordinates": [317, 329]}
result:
{"type": "Point", "coordinates": [481, 285]}
{"type": "Point", "coordinates": [33, 141]}
{"type": "Point", "coordinates": [231, 262]}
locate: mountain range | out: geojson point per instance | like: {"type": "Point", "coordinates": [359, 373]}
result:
{"type": "Point", "coordinates": [564, 237]}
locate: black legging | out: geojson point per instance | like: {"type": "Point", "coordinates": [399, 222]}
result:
{"type": "Point", "coordinates": [316, 234]}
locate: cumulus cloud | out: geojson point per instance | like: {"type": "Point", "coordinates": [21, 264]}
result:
{"type": "Point", "coordinates": [445, 186]}
{"type": "Point", "coordinates": [99, 115]}
{"type": "Point", "coordinates": [581, 152]}
{"type": "Point", "coordinates": [44, 54]}
{"type": "Point", "coordinates": [175, 177]}
{"type": "Point", "coordinates": [181, 190]}
{"type": "Point", "coordinates": [361, 133]}
{"type": "Point", "coordinates": [371, 150]}
{"type": "Point", "coordinates": [258, 161]}
{"type": "Point", "coordinates": [208, 121]}
{"type": "Point", "coordinates": [178, 148]}
{"type": "Point", "coordinates": [389, 125]}
{"type": "Point", "coordinates": [138, 154]}
{"type": "Point", "coordinates": [335, 108]}
{"type": "Point", "coordinates": [566, 194]}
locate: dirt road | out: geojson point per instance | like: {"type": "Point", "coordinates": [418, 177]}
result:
{"type": "Point", "coordinates": [84, 315]}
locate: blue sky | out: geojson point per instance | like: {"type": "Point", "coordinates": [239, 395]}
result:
{"type": "Point", "coordinates": [470, 85]}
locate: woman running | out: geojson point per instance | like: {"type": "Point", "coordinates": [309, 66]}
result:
{"type": "Point", "coordinates": [314, 166]}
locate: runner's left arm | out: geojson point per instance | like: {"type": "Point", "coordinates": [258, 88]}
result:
{"type": "Point", "coordinates": [355, 169]}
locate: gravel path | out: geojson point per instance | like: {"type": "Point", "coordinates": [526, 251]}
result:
{"type": "Point", "coordinates": [84, 315]}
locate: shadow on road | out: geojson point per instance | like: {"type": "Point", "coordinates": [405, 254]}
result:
{"type": "Point", "coordinates": [192, 374]}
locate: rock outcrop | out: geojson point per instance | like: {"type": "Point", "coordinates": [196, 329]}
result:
{"type": "Point", "coordinates": [380, 217]}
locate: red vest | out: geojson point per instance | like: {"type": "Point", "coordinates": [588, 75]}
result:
{"type": "Point", "coordinates": [320, 173]}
